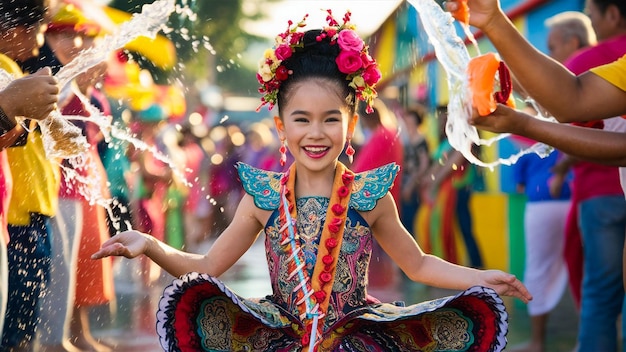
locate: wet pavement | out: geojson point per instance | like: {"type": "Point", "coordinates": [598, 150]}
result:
{"type": "Point", "coordinates": [130, 325]}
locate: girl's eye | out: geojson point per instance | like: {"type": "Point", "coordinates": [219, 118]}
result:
{"type": "Point", "coordinates": [301, 119]}
{"type": "Point", "coordinates": [333, 119]}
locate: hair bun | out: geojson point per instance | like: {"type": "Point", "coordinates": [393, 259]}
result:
{"type": "Point", "coordinates": [313, 45]}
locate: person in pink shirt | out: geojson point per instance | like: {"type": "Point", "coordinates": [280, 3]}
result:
{"type": "Point", "coordinates": [382, 146]}
{"type": "Point", "coordinates": [597, 221]}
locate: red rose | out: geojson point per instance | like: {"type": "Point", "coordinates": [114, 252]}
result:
{"type": "Point", "coordinates": [282, 73]}
{"type": "Point", "coordinates": [325, 277]}
{"type": "Point", "coordinates": [349, 40]}
{"type": "Point", "coordinates": [338, 209]}
{"type": "Point", "coordinates": [283, 52]}
{"type": "Point", "coordinates": [372, 74]}
{"type": "Point", "coordinates": [336, 221]}
{"type": "Point", "coordinates": [320, 296]}
{"type": "Point", "coordinates": [347, 178]}
{"type": "Point", "coordinates": [343, 191]}
{"type": "Point", "coordinates": [331, 243]}
{"type": "Point", "coordinates": [333, 228]}
{"type": "Point", "coordinates": [327, 259]}
{"type": "Point", "coordinates": [367, 59]}
{"type": "Point", "coordinates": [295, 38]}
{"type": "Point", "coordinates": [349, 61]}
{"type": "Point", "coordinates": [305, 339]}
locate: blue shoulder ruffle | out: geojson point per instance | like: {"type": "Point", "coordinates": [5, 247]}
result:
{"type": "Point", "coordinates": [370, 186]}
{"type": "Point", "coordinates": [262, 185]}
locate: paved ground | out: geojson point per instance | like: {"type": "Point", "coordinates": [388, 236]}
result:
{"type": "Point", "coordinates": [131, 326]}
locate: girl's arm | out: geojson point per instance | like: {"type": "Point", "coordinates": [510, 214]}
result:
{"type": "Point", "coordinates": [227, 249]}
{"type": "Point", "coordinates": [568, 97]}
{"type": "Point", "coordinates": [429, 269]}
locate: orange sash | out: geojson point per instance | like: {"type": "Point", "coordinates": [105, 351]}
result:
{"type": "Point", "coordinates": [320, 284]}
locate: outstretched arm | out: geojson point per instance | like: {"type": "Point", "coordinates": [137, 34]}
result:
{"type": "Point", "coordinates": [566, 96]}
{"type": "Point", "coordinates": [586, 143]}
{"type": "Point", "coordinates": [227, 249]}
{"type": "Point", "coordinates": [429, 269]}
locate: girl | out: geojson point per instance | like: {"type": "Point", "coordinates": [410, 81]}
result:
{"type": "Point", "coordinates": [319, 220]}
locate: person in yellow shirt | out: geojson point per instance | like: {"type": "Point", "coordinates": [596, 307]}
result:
{"type": "Point", "coordinates": [34, 96]}
{"type": "Point", "coordinates": [28, 208]}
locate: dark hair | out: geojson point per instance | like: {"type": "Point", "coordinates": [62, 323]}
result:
{"type": "Point", "coordinates": [316, 59]}
{"type": "Point", "coordinates": [22, 12]}
{"type": "Point", "coordinates": [417, 113]}
{"type": "Point", "coordinates": [604, 4]}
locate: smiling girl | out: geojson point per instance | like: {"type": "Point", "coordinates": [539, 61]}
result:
{"type": "Point", "coordinates": [320, 220]}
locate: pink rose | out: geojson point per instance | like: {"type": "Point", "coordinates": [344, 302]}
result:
{"type": "Point", "coordinates": [283, 52]}
{"type": "Point", "coordinates": [350, 41]}
{"type": "Point", "coordinates": [349, 61]}
{"type": "Point", "coordinates": [372, 74]}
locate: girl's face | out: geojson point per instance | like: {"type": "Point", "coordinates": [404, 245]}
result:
{"type": "Point", "coordinates": [315, 123]}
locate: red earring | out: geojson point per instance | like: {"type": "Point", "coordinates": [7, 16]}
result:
{"type": "Point", "coordinates": [283, 152]}
{"type": "Point", "coordinates": [350, 151]}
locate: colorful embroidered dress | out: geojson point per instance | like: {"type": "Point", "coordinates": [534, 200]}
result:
{"type": "Point", "coordinates": [199, 313]}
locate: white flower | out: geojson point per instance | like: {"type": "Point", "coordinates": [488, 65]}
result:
{"type": "Point", "coordinates": [265, 71]}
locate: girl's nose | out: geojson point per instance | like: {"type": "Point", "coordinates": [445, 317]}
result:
{"type": "Point", "coordinates": [316, 130]}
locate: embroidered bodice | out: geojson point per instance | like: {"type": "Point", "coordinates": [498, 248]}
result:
{"type": "Point", "coordinates": [349, 287]}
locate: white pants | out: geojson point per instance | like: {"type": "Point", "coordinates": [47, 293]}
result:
{"type": "Point", "coordinates": [56, 306]}
{"type": "Point", "coordinates": [545, 274]}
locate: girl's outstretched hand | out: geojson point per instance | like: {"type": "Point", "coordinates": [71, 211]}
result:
{"type": "Point", "coordinates": [128, 244]}
{"type": "Point", "coordinates": [505, 284]}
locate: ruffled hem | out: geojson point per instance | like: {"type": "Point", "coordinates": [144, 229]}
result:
{"type": "Point", "coordinates": [199, 313]}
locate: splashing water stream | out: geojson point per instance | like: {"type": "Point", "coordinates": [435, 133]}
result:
{"type": "Point", "coordinates": [63, 140]}
{"type": "Point", "coordinates": [452, 53]}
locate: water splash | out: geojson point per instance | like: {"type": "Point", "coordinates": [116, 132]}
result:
{"type": "Point", "coordinates": [452, 53]}
{"type": "Point", "coordinates": [64, 141]}
{"type": "Point", "coordinates": [149, 22]}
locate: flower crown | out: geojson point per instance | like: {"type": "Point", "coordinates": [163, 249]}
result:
{"type": "Point", "coordinates": [353, 59]}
